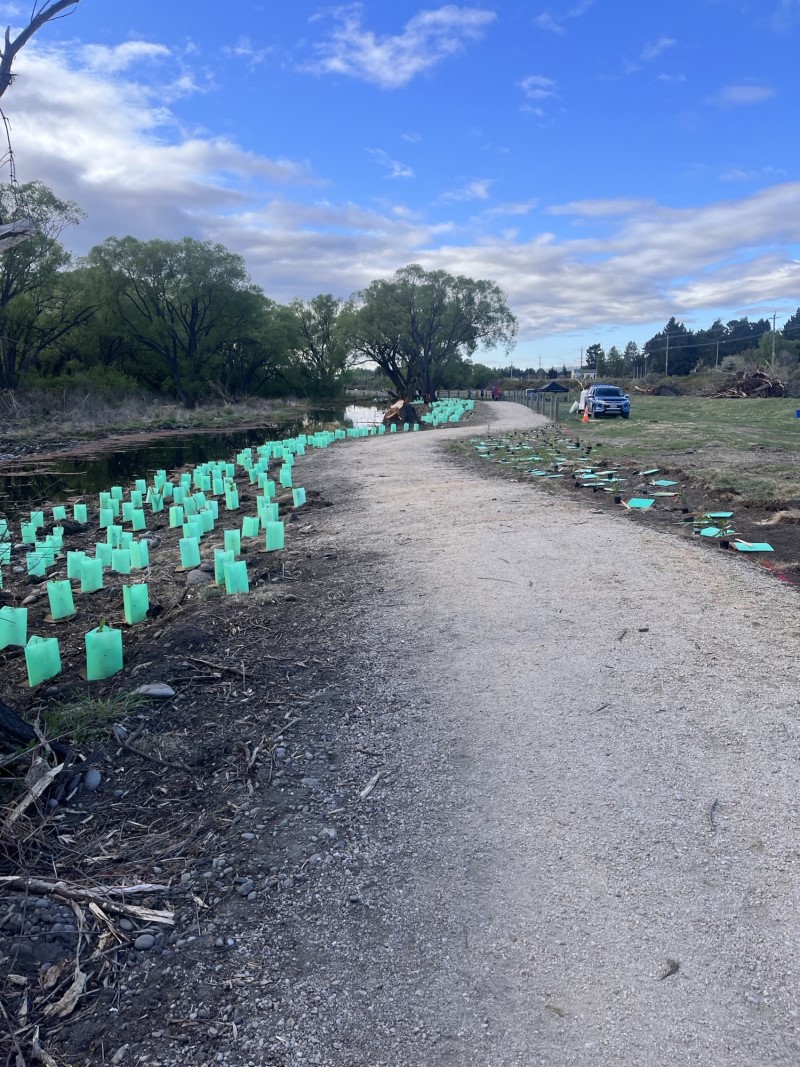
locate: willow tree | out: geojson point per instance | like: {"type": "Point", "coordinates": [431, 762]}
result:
{"type": "Point", "coordinates": [419, 325]}
{"type": "Point", "coordinates": [180, 305]}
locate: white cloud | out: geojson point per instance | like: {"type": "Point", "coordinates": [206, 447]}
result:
{"type": "Point", "coordinates": [537, 87]}
{"type": "Point", "coordinates": [107, 60]}
{"type": "Point", "coordinates": [246, 50]}
{"type": "Point", "coordinates": [744, 94]}
{"type": "Point", "coordinates": [477, 189]}
{"type": "Point", "coordinates": [556, 23]}
{"type": "Point", "coordinates": [598, 208]}
{"type": "Point", "coordinates": [391, 61]}
{"type": "Point", "coordinates": [656, 48]}
{"type": "Point", "coordinates": [104, 142]}
{"type": "Point", "coordinates": [394, 168]}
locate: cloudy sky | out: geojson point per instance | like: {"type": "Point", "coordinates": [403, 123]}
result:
{"type": "Point", "coordinates": [609, 164]}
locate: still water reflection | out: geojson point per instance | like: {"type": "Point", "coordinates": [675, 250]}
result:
{"type": "Point", "coordinates": [35, 481]}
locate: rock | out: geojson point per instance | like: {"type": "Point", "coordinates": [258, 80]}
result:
{"type": "Point", "coordinates": [207, 567]}
{"type": "Point", "coordinates": [91, 780]}
{"type": "Point", "coordinates": [156, 690]}
{"type": "Point", "coordinates": [248, 836]}
{"type": "Point", "coordinates": [31, 598]}
{"type": "Point", "coordinates": [245, 889]}
{"type": "Point", "coordinates": [310, 783]}
{"type": "Point", "coordinates": [126, 924]}
{"type": "Point", "coordinates": [198, 577]}
{"type": "Point", "coordinates": [289, 598]}
{"type": "Point", "coordinates": [144, 942]}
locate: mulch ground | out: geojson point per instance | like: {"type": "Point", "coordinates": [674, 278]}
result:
{"type": "Point", "coordinates": [101, 880]}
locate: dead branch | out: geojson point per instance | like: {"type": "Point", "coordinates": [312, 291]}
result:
{"type": "Point", "coordinates": [12, 47]}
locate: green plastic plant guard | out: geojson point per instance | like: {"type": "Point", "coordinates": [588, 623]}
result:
{"type": "Point", "coordinates": [233, 541]}
{"type": "Point", "coordinates": [106, 518]}
{"type": "Point", "coordinates": [114, 536]}
{"type": "Point", "coordinates": [156, 500]}
{"type": "Point", "coordinates": [206, 517]}
{"type": "Point", "coordinates": [5, 552]}
{"type": "Point", "coordinates": [286, 477]}
{"type": "Point", "coordinates": [91, 575]}
{"type": "Point", "coordinates": [190, 505]}
{"type": "Point", "coordinates": [13, 626]}
{"type": "Point", "coordinates": [4, 534]}
{"type": "Point", "coordinates": [117, 492]}
{"type": "Point", "coordinates": [125, 539]}
{"type": "Point", "coordinates": [59, 513]}
{"type": "Point", "coordinates": [178, 494]}
{"type": "Point", "coordinates": [57, 537]}
{"type": "Point", "coordinates": [27, 533]}
{"type": "Point", "coordinates": [232, 499]}
{"type": "Point", "coordinates": [200, 500]}
{"type": "Point", "coordinates": [193, 528]}
{"type": "Point", "coordinates": [136, 603]}
{"type": "Point", "coordinates": [136, 498]}
{"type": "Point", "coordinates": [275, 536]}
{"type": "Point", "coordinates": [80, 513]}
{"type": "Point", "coordinates": [37, 518]}
{"type": "Point", "coordinates": [127, 511]}
{"type": "Point", "coordinates": [60, 596]}
{"type": "Point", "coordinates": [217, 486]}
{"type": "Point", "coordinates": [176, 516]}
{"type": "Point", "coordinates": [140, 554]}
{"type": "Point", "coordinates": [36, 563]}
{"type": "Point", "coordinates": [121, 560]}
{"type": "Point", "coordinates": [236, 580]}
{"type": "Point", "coordinates": [250, 526]}
{"type": "Point", "coordinates": [298, 497]}
{"type": "Point", "coordinates": [221, 557]}
{"type": "Point", "coordinates": [103, 552]}
{"type": "Point", "coordinates": [103, 653]}
{"type": "Point", "coordinates": [190, 552]}
{"type": "Point", "coordinates": [43, 659]}
{"type": "Point", "coordinates": [213, 507]}
{"type": "Point", "coordinates": [393, 428]}
{"type": "Point", "coordinates": [138, 520]}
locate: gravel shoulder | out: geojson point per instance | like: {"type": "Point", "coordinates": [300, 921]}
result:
{"type": "Point", "coordinates": [536, 804]}
{"type": "Point", "coordinates": [592, 782]}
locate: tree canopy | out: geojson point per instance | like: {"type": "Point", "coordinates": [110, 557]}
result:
{"type": "Point", "coordinates": [418, 324]}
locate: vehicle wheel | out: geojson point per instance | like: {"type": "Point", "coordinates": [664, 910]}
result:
{"type": "Point", "coordinates": [625, 416]}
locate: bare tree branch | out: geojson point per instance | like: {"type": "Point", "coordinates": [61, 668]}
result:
{"type": "Point", "coordinates": [45, 14]}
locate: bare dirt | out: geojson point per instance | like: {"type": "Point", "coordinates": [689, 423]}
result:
{"type": "Point", "coordinates": [504, 780]}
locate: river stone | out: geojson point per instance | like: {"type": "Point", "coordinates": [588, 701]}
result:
{"type": "Point", "coordinates": [158, 690]}
{"type": "Point", "coordinates": [91, 780]}
{"type": "Point", "coordinates": [143, 942]}
{"type": "Point", "coordinates": [199, 577]}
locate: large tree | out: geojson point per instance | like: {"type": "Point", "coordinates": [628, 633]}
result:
{"type": "Point", "coordinates": [36, 304]}
{"type": "Point", "coordinates": [419, 323]}
{"type": "Point", "coordinates": [322, 345]}
{"type": "Point", "coordinates": [180, 304]}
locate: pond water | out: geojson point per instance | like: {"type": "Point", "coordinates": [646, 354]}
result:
{"type": "Point", "coordinates": [33, 481]}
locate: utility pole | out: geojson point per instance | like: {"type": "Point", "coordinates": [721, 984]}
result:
{"type": "Point", "coordinates": [774, 316]}
{"type": "Point", "coordinates": [666, 360]}
{"type": "Point", "coordinates": [716, 359]}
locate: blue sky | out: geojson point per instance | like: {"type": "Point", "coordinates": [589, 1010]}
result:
{"type": "Point", "coordinates": [608, 164]}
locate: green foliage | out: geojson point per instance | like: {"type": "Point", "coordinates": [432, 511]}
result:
{"type": "Point", "coordinates": [38, 304]}
{"type": "Point", "coordinates": [322, 349]}
{"type": "Point", "coordinates": [418, 325]}
{"type": "Point", "coordinates": [181, 306]}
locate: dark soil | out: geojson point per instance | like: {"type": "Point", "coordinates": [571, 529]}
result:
{"type": "Point", "coordinates": [191, 789]}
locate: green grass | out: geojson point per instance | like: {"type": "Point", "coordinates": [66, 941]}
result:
{"type": "Point", "coordinates": [87, 718]}
{"type": "Point", "coordinates": [748, 448]}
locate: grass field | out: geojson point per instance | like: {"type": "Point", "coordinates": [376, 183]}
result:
{"type": "Point", "coordinates": [747, 448]}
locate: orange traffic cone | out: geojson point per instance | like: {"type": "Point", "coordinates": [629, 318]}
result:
{"type": "Point", "coordinates": [585, 416]}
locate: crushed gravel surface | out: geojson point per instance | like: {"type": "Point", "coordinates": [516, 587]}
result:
{"type": "Point", "coordinates": [544, 811]}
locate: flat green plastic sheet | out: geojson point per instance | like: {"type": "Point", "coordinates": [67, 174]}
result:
{"type": "Point", "coordinates": [752, 546]}
{"type": "Point", "coordinates": [639, 502]}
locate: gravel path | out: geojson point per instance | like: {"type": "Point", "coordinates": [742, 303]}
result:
{"type": "Point", "coordinates": [583, 846]}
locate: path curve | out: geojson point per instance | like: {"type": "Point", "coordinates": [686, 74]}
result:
{"type": "Point", "coordinates": [589, 851]}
